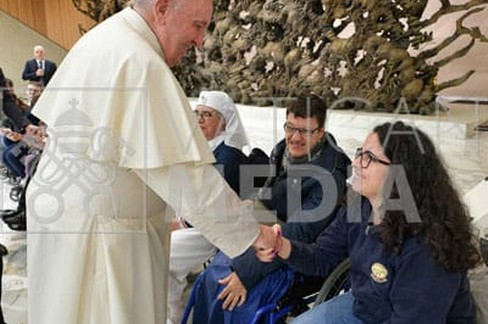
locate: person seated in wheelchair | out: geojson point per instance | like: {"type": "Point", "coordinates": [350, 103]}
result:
{"type": "Point", "coordinates": [20, 154]}
{"type": "Point", "coordinates": [19, 113]}
{"type": "Point", "coordinates": [27, 131]}
{"type": "Point", "coordinates": [26, 138]}
{"type": "Point", "coordinates": [307, 165]}
{"type": "Point", "coordinates": [406, 233]}
{"type": "Point", "coordinates": [10, 87]}
{"type": "Point", "coordinates": [219, 120]}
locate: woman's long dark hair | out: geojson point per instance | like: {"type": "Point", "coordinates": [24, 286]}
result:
{"type": "Point", "coordinates": [444, 219]}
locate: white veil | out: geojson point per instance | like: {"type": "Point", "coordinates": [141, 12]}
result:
{"type": "Point", "coordinates": [234, 134]}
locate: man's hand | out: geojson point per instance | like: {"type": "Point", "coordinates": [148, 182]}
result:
{"type": "Point", "coordinates": [39, 72]}
{"type": "Point", "coordinates": [234, 294]}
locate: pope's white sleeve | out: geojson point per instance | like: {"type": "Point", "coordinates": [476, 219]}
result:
{"type": "Point", "coordinates": [204, 199]}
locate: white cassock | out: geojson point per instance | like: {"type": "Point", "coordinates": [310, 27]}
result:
{"type": "Point", "coordinates": [124, 154]}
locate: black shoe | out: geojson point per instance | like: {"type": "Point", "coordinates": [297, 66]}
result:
{"type": "Point", "coordinates": [3, 250]}
{"type": "Point", "coordinates": [17, 222]}
{"type": "Point", "coordinates": [19, 227]}
{"type": "Point", "coordinates": [8, 213]}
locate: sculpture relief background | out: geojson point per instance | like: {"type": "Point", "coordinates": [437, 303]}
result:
{"type": "Point", "coordinates": [375, 55]}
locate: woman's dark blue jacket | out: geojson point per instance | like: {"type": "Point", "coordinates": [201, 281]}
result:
{"type": "Point", "coordinates": [403, 288]}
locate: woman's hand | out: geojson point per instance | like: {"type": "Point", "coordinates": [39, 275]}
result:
{"type": "Point", "coordinates": [234, 294]}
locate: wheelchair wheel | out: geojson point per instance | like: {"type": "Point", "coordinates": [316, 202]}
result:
{"type": "Point", "coordinates": [335, 283]}
{"type": "Point", "coordinates": [15, 193]}
{"type": "Point", "coordinates": [4, 174]}
{"type": "Point", "coordinates": [14, 181]}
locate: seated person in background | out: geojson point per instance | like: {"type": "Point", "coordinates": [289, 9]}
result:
{"type": "Point", "coordinates": [220, 123]}
{"type": "Point", "coordinates": [31, 131]}
{"type": "Point", "coordinates": [11, 90]}
{"type": "Point", "coordinates": [20, 155]}
{"type": "Point", "coordinates": [15, 145]}
{"type": "Point", "coordinates": [34, 91]}
{"type": "Point", "coordinates": [408, 238]}
{"type": "Point", "coordinates": [19, 114]}
{"type": "Point", "coordinates": [9, 100]}
{"type": "Point", "coordinates": [310, 169]}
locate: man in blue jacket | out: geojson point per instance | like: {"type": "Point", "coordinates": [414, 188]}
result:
{"type": "Point", "coordinates": [309, 178]}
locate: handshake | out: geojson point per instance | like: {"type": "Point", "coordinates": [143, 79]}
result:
{"type": "Point", "coordinates": [270, 243]}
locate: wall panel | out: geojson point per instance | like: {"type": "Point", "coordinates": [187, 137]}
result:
{"type": "Point", "coordinates": [63, 20]}
{"type": "Point", "coordinates": [58, 20]}
{"type": "Point", "coordinates": [30, 12]}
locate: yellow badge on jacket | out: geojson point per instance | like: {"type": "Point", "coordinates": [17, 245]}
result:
{"type": "Point", "coordinates": [379, 273]}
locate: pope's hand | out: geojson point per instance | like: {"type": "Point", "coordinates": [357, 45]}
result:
{"type": "Point", "coordinates": [174, 224]}
{"type": "Point", "coordinates": [282, 247]}
{"type": "Point", "coordinates": [266, 255]}
{"type": "Point", "coordinates": [268, 238]}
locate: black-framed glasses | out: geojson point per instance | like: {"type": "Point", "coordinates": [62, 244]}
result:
{"type": "Point", "coordinates": [205, 114]}
{"type": "Point", "coordinates": [365, 158]}
{"type": "Point", "coordinates": [289, 129]}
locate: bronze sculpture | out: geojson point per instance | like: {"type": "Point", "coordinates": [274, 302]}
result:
{"type": "Point", "coordinates": [339, 49]}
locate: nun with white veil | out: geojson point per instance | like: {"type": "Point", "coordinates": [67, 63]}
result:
{"type": "Point", "coordinates": [221, 125]}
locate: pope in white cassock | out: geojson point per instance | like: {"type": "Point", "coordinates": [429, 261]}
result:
{"type": "Point", "coordinates": [124, 154]}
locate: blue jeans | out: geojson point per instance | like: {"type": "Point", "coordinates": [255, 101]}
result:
{"type": "Point", "coordinates": [12, 153]}
{"type": "Point", "coordinates": [338, 310]}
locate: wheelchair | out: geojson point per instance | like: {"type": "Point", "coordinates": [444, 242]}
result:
{"type": "Point", "coordinates": [15, 219]}
{"type": "Point", "coordinates": [16, 189]}
{"type": "Point", "coordinates": [14, 182]}
{"type": "Point", "coordinates": [296, 300]}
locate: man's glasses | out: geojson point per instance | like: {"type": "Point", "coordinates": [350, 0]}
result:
{"type": "Point", "coordinates": [302, 131]}
{"type": "Point", "coordinates": [204, 114]}
{"type": "Point", "coordinates": [365, 158]}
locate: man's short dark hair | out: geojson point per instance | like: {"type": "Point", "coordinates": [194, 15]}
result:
{"type": "Point", "coordinates": [307, 106]}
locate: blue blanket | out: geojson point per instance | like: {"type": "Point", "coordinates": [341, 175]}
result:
{"type": "Point", "coordinates": [208, 309]}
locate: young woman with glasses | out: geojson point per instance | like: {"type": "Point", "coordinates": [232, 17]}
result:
{"type": "Point", "coordinates": [403, 269]}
